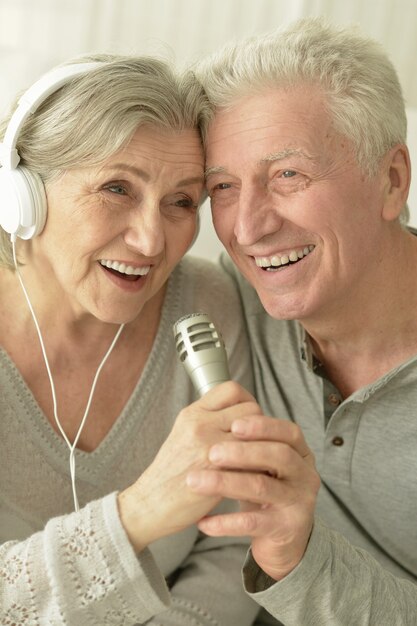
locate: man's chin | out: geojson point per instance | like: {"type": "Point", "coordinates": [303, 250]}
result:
{"type": "Point", "coordinates": [281, 307]}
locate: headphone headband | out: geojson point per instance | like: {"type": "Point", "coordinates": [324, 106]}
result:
{"type": "Point", "coordinates": [29, 103]}
{"type": "Point", "coordinates": [23, 205]}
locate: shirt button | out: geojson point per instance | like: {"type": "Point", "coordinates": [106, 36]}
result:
{"type": "Point", "coordinates": [338, 441]}
{"type": "Point", "coordinates": [334, 399]}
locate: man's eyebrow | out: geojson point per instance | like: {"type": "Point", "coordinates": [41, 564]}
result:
{"type": "Point", "coordinates": [209, 171]}
{"type": "Point", "coordinates": [274, 156]}
{"type": "Point", "coordinates": [283, 154]}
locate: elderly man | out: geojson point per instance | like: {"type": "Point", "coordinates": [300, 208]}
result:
{"type": "Point", "coordinates": [308, 174]}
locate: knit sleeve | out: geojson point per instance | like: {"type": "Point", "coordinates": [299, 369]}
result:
{"type": "Point", "coordinates": [335, 583]}
{"type": "Point", "coordinates": [81, 569]}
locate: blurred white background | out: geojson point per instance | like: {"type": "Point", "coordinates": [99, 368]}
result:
{"type": "Point", "coordinates": [34, 36]}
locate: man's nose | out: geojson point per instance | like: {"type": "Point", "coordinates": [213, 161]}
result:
{"type": "Point", "coordinates": [257, 216]}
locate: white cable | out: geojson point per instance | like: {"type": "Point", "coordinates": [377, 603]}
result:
{"type": "Point", "coordinates": [70, 445]}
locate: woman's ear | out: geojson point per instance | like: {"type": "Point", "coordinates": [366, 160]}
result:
{"type": "Point", "coordinates": [397, 177]}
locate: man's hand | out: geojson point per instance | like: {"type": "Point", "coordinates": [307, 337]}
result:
{"type": "Point", "coordinates": [269, 467]}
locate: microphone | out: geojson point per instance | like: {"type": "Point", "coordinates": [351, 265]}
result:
{"type": "Point", "coordinates": [202, 351]}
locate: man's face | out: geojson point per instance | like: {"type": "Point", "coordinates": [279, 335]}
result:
{"type": "Point", "coordinates": [290, 204]}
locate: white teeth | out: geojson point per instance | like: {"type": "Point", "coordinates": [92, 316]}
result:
{"type": "Point", "coordinates": [277, 261]}
{"type": "Point", "coordinates": [126, 269]}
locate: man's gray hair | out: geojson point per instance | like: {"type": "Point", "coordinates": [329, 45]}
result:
{"type": "Point", "coordinates": [361, 86]}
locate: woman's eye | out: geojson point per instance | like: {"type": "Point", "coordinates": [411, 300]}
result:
{"type": "Point", "coordinates": [177, 206]}
{"type": "Point", "coordinates": [116, 188]}
{"type": "Point", "coordinates": [186, 203]}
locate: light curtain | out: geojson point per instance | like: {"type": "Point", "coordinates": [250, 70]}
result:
{"type": "Point", "coordinates": [37, 35]}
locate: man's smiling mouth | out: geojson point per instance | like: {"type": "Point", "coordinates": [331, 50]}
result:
{"type": "Point", "coordinates": [277, 261]}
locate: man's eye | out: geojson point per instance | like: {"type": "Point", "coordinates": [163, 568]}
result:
{"type": "Point", "coordinates": [289, 181]}
{"type": "Point", "coordinates": [219, 187]}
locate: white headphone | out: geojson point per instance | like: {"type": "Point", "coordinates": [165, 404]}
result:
{"type": "Point", "coordinates": [23, 205]}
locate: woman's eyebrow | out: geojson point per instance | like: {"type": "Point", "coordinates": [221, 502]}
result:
{"type": "Point", "coordinates": [129, 168]}
{"type": "Point", "coordinates": [192, 180]}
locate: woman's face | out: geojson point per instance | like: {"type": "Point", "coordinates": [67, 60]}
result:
{"type": "Point", "coordinates": [115, 232]}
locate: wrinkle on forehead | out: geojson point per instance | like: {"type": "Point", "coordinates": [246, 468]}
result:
{"type": "Point", "coordinates": [166, 145]}
{"type": "Point", "coordinates": [260, 112]}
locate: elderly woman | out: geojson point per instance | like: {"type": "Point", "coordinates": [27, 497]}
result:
{"type": "Point", "coordinates": [91, 281]}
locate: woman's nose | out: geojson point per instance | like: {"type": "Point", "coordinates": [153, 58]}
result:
{"type": "Point", "coordinates": [145, 232]}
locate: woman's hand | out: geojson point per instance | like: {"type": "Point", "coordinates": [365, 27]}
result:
{"type": "Point", "coordinates": [268, 466]}
{"type": "Point", "coordinates": [160, 503]}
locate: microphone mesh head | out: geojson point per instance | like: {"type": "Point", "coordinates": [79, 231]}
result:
{"type": "Point", "coordinates": [202, 351]}
{"type": "Point", "coordinates": [195, 332]}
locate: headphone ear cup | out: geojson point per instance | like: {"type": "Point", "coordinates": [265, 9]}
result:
{"type": "Point", "coordinates": [23, 205]}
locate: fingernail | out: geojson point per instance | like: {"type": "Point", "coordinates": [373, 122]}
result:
{"type": "Point", "coordinates": [216, 453]}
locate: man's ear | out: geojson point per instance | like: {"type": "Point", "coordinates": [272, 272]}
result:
{"type": "Point", "coordinates": [397, 177]}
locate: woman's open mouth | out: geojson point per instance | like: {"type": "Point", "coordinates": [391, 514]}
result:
{"type": "Point", "coordinates": [125, 271]}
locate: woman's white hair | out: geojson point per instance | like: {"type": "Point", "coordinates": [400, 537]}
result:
{"type": "Point", "coordinates": [362, 89]}
{"type": "Point", "coordinates": [93, 115]}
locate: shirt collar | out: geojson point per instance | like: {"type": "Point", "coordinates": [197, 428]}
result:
{"type": "Point", "coordinates": [306, 351]}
